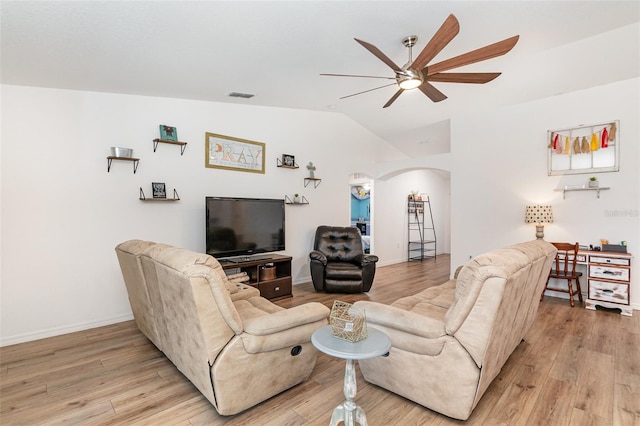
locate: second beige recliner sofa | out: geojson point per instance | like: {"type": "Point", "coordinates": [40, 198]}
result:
{"type": "Point", "coordinates": [450, 341]}
{"type": "Point", "coordinates": [236, 347]}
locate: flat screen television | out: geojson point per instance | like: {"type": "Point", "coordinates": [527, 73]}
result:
{"type": "Point", "coordinates": [243, 226]}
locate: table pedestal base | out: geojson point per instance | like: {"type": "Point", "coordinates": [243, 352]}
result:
{"type": "Point", "coordinates": [348, 412]}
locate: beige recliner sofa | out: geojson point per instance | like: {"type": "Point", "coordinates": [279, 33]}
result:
{"type": "Point", "coordinates": [236, 347]}
{"type": "Point", "coordinates": [450, 341]}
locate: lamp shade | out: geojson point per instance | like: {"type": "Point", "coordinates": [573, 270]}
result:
{"type": "Point", "coordinates": [538, 214]}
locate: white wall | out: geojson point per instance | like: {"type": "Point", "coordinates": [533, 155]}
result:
{"type": "Point", "coordinates": [499, 166]}
{"type": "Point", "coordinates": [63, 214]}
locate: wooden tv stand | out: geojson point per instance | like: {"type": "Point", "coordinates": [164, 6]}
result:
{"type": "Point", "coordinates": [270, 288]}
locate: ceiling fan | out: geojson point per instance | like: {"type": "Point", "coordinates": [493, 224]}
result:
{"type": "Point", "coordinates": [418, 74]}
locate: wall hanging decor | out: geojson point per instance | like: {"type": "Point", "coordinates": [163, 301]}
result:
{"type": "Point", "coordinates": [584, 149]}
{"type": "Point", "coordinates": [229, 153]}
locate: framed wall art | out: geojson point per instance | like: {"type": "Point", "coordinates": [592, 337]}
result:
{"type": "Point", "coordinates": [585, 149]}
{"type": "Point", "coordinates": [229, 153]}
{"type": "Point", "coordinates": [159, 190]}
{"type": "Point", "coordinates": [168, 133]}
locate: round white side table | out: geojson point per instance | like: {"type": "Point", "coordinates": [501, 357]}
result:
{"type": "Point", "coordinates": [376, 344]}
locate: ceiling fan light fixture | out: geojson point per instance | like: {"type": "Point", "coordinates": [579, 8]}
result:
{"type": "Point", "coordinates": [409, 80]}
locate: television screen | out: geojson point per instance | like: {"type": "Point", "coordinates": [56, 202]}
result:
{"type": "Point", "coordinates": [243, 226]}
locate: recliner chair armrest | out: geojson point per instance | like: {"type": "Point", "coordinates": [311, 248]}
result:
{"type": "Point", "coordinates": [286, 319]}
{"type": "Point", "coordinates": [366, 259]}
{"type": "Point", "coordinates": [318, 256]}
{"type": "Point", "coordinates": [399, 319]}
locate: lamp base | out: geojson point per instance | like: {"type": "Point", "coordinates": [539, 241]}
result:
{"type": "Point", "coordinates": [540, 232]}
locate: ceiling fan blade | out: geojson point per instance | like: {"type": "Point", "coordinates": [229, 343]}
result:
{"type": "Point", "coordinates": [463, 77]}
{"type": "Point", "coordinates": [447, 31]}
{"type": "Point", "coordinates": [481, 54]}
{"type": "Point", "coordinates": [434, 94]}
{"type": "Point", "coordinates": [362, 76]}
{"type": "Point", "coordinates": [378, 53]}
{"type": "Point", "coordinates": [393, 98]}
{"type": "Point", "coordinates": [365, 91]}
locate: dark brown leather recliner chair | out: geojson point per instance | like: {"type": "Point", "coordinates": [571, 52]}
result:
{"type": "Point", "coordinates": [338, 262]}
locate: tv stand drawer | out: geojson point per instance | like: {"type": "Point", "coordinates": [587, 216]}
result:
{"type": "Point", "coordinates": [275, 289]}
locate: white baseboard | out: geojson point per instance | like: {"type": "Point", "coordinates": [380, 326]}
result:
{"type": "Point", "coordinates": [57, 331]}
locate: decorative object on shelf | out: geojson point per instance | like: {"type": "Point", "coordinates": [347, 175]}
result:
{"type": "Point", "coordinates": [583, 149]}
{"type": "Point", "coordinates": [297, 199]}
{"type": "Point", "coordinates": [121, 152]}
{"type": "Point", "coordinates": [168, 133]}
{"type": "Point", "coordinates": [593, 182]}
{"type": "Point", "coordinates": [348, 322]}
{"type": "Point", "coordinates": [288, 161]}
{"type": "Point", "coordinates": [159, 190]}
{"type": "Point", "coordinates": [176, 197]}
{"type": "Point", "coordinates": [229, 153]}
{"type": "Point", "coordinates": [539, 215]}
{"type": "Point", "coordinates": [413, 196]}
{"type": "Point", "coordinates": [312, 170]}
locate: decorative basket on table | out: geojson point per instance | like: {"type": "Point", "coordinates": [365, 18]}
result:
{"type": "Point", "coordinates": [348, 322]}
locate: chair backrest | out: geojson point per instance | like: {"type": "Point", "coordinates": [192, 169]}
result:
{"type": "Point", "coordinates": [338, 243]}
{"type": "Point", "coordinates": [566, 258]}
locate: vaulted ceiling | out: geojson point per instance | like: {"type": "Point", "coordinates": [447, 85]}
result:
{"type": "Point", "coordinates": [278, 49]}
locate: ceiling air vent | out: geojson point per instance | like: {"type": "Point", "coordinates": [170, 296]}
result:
{"type": "Point", "coordinates": [241, 95]}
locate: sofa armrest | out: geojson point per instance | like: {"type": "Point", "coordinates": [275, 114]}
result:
{"type": "Point", "coordinates": [282, 329]}
{"type": "Point", "coordinates": [399, 319]}
{"type": "Point", "coordinates": [286, 319]}
{"type": "Point", "coordinates": [244, 292]}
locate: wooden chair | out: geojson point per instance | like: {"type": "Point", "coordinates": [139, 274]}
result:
{"type": "Point", "coordinates": [564, 268]}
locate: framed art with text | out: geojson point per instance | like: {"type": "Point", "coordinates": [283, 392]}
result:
{"type": "Point", "coordinates": [229, 153]}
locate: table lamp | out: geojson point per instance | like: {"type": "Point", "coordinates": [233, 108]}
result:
{"type": "Point", "coordinates": [538, 215]}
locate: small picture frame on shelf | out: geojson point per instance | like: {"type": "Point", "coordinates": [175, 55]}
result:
{"type": "Point", "coordinates": [168, 133]}
{"type": "Point", "coordinates": [159, 190]}
{"type": "Point", "coordinates": [288, 160]}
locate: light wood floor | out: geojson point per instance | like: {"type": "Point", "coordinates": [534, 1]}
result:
{"type": "Point", "coordinates": [576, 367]}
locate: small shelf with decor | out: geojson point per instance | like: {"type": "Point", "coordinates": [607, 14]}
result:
{"type": "Point", "coordinates": [176, 197]}
{"type": "Point", "coordinates": [110, 158]}
{"type": "Point", "coordinates": [296, 200]}
{"type": "Point", "coordinates": [156, 141]}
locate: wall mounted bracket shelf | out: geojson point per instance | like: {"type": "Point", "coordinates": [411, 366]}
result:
{"type": "Point", "coordinates": [315, 181]}
{"type": "Point", "coordinates": [279, 163]}
{"type": "Point", "coordinates": [303, 200]}
{"type": "Point", "coordinates": [183, 145]}
{"type": "Point", "coordinates": [112, 157]}
{"type": "Point", "coordinates": [176, 197]}
{"type": "Point", "coordinates": [565, 190]}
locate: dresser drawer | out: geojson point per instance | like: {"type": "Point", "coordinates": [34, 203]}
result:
{"type": "Point", "coordinates": [609, 292]}
{"type": "Point", "coordinates": [610, 260]}
{"type": "Point", "coordinates": [609, 273]}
